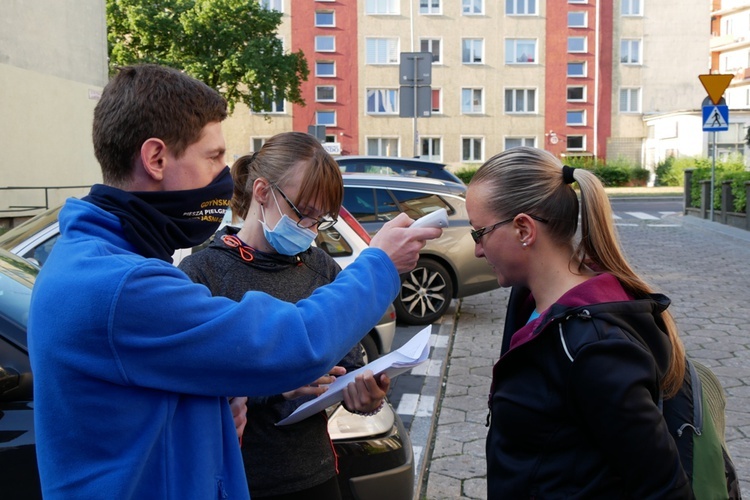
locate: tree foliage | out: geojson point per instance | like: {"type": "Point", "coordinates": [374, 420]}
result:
{"type": "Point", "coordinates": [231, 45]}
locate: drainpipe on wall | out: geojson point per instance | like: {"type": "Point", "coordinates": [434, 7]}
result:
{"type": "Point", "coordinates": [596, 83]}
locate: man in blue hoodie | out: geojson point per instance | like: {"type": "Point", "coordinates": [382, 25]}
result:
{"type": "Point", "coordinates": [132, 361]}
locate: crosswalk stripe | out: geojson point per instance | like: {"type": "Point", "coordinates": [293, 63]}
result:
{"type": "Point", "coordinates": [432, 368]}
{"type": "Point", "coordinates": [642, 215]}
{"type": "Point", "coordinates": [408, 404]}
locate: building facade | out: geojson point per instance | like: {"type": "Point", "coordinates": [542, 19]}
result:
{"type": "Point", "coordinates": [576, 77]}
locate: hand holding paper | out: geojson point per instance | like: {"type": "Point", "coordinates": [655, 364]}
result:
{"type": "Point", "coordinates": [415, 352]}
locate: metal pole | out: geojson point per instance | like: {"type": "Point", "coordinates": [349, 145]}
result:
{"type": "Point", "coordinates": [416, 133]}
{"type": "Point", "coordinates": [713, 177]}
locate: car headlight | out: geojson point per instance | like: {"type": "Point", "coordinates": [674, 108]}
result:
{"type": "Point", "coordinates": [346, 425]}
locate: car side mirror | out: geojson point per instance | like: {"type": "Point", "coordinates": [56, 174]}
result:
{"type": "Point", "coordinates": [9, 380]}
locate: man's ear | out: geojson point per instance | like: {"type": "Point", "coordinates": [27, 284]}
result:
{"type": "Point", "coordinates": [153, 158]}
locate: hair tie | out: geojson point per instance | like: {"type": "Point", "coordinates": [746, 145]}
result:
{"type": "Point", "coordinates": [568, 174]}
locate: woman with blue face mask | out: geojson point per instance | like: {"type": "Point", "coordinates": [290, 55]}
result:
{"type": "Point", "coordinates": [283, 194]}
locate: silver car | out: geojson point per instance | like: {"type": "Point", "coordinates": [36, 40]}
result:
{"type": "Point", "coordinates": [447, 267]}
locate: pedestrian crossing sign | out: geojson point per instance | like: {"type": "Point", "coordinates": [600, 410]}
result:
{"type": "Point", "coordinates": [715, 118]}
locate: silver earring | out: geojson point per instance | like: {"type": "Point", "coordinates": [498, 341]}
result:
{"type": "Point", "coordinates": [524, 244]}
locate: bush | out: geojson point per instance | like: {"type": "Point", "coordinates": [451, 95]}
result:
{"type": "Point", "coordinates": [739, 192]}
{"type": "Point", "coordinates": [466, 173]}
{"type": "Point", "coordinates": [613, 176]}
{"type": "Point", "coordinates": [640, 175]}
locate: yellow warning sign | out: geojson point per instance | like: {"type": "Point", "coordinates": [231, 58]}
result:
{"type": "Point", "coordinates": [715, 85]}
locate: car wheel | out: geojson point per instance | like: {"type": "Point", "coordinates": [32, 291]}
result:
{"type": "Point", "coordinates": [426, 293]}
{"type": "Point", "coordinates": [370, 349]}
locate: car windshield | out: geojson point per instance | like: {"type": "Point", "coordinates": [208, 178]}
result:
{"type": "Point", "coordinates": [15, 296]}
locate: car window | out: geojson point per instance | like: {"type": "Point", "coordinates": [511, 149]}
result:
{"type": "Point", "coordinates": [361, 203]}
{"type": "Point", "coordinates": [14, 309]}
{"type": "Point", "coordinates": [331, 242]}
{"type": "Point", "coordinates": [378, 169]}
{"type": "Point", "coordinates": [416, 205]}
{"type": "Point", "coordinates": [38, 255]}
{"type": "Point", "coordinates": [387, 208]}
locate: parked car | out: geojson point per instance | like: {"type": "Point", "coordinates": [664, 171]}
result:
{"type": "Point", "coordinates": [34, 239]}
{"type": "Point", "coordinates": [375, 456]}
{"type": "Point", "coordinates": [396, 166]}
{"type": "Point", "coordinates": [447, 267]}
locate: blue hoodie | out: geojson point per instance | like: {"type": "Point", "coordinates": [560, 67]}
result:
{"type": "Point", "coordinates": [132, 362]}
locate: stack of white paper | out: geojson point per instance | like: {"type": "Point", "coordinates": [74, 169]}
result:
{"type": "Point", "coordinates": [415, 352]}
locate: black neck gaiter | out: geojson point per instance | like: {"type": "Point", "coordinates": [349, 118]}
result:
{"type": "Point", "coordinates": [159, 222]}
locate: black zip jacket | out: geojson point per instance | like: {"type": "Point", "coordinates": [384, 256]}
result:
{"type": "Point", "coordinates": [574, 400]}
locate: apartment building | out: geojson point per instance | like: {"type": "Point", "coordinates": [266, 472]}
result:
{"type": "Point", "coordinates": [576, 77]}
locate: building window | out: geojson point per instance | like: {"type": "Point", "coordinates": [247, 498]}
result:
{"type": "Point", "coordinates": [325, 18]}
{"type": "Point", "coordinates": [382, 7]}
{"type": "Point", "coordinates": [520, 100]}
{"type": "Point", "coordinates": [382, 101]}
{"type": "Point", "coordinates": [576, 117]}
{"type": "Point", "coordinates": [520, 7]}
{"type": "Point", "coordinates": [429, 7]}
{"type": "Point", "coordinates": [325, 68]}
{"type": "Point", "coordinates": [437, 100]}
{"type": "Point", "coordinates": [431, 148]}
{"type": "Point", "coordinates": [515, 142]}
{"type": "Point", "coordinates": [325, 93]}
{"type": "Point", "coordinates": [472, 51]}
{"type": "Point", "coordinates": [431, 45]}
{"type": "Point", "coordinates": [575, 142]}
{"type": "Point", "coordinates": [630, 100]}
{"type": "Point", "coordinates": [472, 149]}
{"type": "Point", "coordinates": [578, 1]}
{"type": "Point", "coordinates": [630, 51]}
{"type": "Point", "coordinates": [576, 93]}
{"type": "Point", "coordinates": [631, 8]}
{"type": "Point", "coordinates": [325, 43]}
{"type": "Point", "coordinates": [271, 105]}
{"type": "Point", "coordinates": [382, 146]}
{"type": "Point", "coordinates": [277, 5]}
{"type": "Point", "coordinates": [576, 69]}
{"type": "Point", "coordinates": [327, 118]}
{"type": "Point", "coordinates": [576, 44]}
{"type": "Point", "coordinates": [381, 50]}
{"type": "Point", "coordinates": [472, 101]}
{"type": "Point", "coordinates": [256, 143]}
{"type": "Point", "coordinates": [520, 51]}
{"type": "Point", "coordinates": [472, 7]}
{"type": "Point", "coordinates": [576, 19]}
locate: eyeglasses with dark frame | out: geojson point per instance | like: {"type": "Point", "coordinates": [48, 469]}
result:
{"type": "Point", "coordinates": [477, 234]}
{"type": "Point", "coordinates": [305, 220]}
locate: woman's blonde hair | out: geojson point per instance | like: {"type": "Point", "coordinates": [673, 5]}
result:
{"type": "Point", "coordinates": [530, 180]}
{"type": "Point", "coordinates": [274, 161]}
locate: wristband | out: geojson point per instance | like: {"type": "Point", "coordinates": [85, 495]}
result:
{"type": "Point", "coordinates": [373, 412]}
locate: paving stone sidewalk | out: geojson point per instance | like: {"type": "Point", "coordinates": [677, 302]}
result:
{"type": "Point", "coordinates": [704, 267]}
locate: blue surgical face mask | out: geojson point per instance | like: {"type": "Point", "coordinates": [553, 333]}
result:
{"type": "Point", "coordinates": [287, 237]}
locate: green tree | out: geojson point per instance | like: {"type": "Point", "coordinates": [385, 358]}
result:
{"type": "Point", "coordinates": [231, 45]}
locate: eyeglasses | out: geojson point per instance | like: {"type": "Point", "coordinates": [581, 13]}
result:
{"type": "Point", "coordinates": [477, 234]}
{"type": "Point", "coordinates": [305, 220]}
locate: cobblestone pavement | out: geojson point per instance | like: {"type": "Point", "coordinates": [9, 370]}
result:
{"type": "Point", "coordinates": [702, 266]}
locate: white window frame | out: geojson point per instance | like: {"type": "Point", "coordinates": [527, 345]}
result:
{"type": "Point", "coordinates": [584, 39]}
{"type": "Point", "coordinates": [430, 48]}
{"type": "Point", "coordinates": [472, 108]}
{"type": "Point", "coordinates": [631, 8]}
{"type": "Point", "coordinates": [274, 5]}
{"type": "Point", "coordinates": [472, 155]}
{"type": "Point", "coordinates": [583, 142]}
{"type": "Point", "coordinates": [524, 141]}
{"type": "Point", "coordinates": [393, 143]}
{"type": "Point", "coordinates": [274, 105]}
{"type": "Point", "coordinates": [429, 9]}
{"type": "Point", "coordinates": [511, 8]}
{"type": "Point", "coordinates": [578, 1]}
{"type": "Point", "coordinates": [468, 5]}
{"type": "Point", "coordinates": [385, 98]}
{"type": "Point", "coordinates": [627, 105]}
{"type": "Point", "coordinates": [326, 12]}
{"type": "Point", "coordinates": [320, 38]}
{"type": "Point", "coordinates": [582, 99]}
{"type": "Point", "coordinates": [474, 45]}
{"type": "Point", "coordinates": [317, 117]}
{"type": "Point", "coordinates": [317, 97]}
{"type": "Point", "coordinates": [511, 50]}
{"type": "Point", "coordinates": [578, 112]}
{"type": "Point", "coordinates": [432, 141]}
{"type": "Point", "coordinates": [261, 140]}
{"type": "Point", "coordinates": [380, 46]}
{"type": "Point", "coordinates": [583, 73]}
{"type": "Point", "coordinates": [626, 51]}
{"type": "Point", "coordinates": [321, 75]}
{"type": "Point", "coordinates": [382, 7]}
{"type": "Point", "coordinates": [576, 13]}
{"type": "Point", "coordinates": [526, 100]}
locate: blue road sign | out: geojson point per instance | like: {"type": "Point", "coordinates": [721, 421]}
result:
{"type": "Point", "coordinates": [715, 118]}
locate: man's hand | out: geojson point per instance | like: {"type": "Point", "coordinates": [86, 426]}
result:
{"type": "Point", "coordinates": [318, 387]}
{"type": "Point", "coordinates": [239, 412]}
{"type": "Point", "coordinates": [401, 243]}
{"type": "Point", "coordinates": [366, 393]}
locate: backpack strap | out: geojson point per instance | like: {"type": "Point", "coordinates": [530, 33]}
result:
{"type": "Point", "coordinates": [695, 382]}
